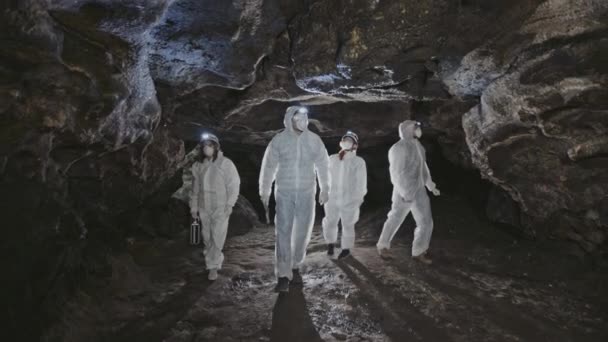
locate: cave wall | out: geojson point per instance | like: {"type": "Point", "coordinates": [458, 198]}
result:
{"type": "Point", "coordinates": [101, 100]}
{"type": "Point", "coordinates": [81, 143]}
{"type": "Point", "coordinates": [539, 130]}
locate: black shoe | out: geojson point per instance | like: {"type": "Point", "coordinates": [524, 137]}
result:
{"type": "Point", "coordinates": [282, 285]}
{"type": "Point", "coordinates": [423, 258]}
{"type": "Point", "coordinates": [330, 249]}
{"type": "Point", "coordinates": [344, 254]}
{"type": "Point", "coordinates": [297, 278]}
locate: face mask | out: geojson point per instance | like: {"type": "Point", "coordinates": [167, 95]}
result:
{"type": "Point", "coordinates": [418, 132]}
{"type": "Point", "coordinates": [346, 145]}
{"type": "Point", "coordinates": [300, 122]}
{"type": "Point", "coordinates": [208, 151]}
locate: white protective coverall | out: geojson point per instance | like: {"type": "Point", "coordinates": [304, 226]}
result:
{"type": "Point", "coordinates": [347, 188]}
{"type": "Point", "coordinates": [409, 175]}
{"type": "Point", "coordinates": [215, 190]}
{"type": "Point", "coordinates": [293, 162]}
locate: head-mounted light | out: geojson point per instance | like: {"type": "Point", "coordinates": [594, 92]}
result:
{"type": "Point", "coordinates": [302, 110]}
{"type": "Point", "coordinates": [352, 135]}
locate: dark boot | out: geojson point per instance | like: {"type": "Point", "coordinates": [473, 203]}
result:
{"type": "Point", "coordinates": [344, 254]}
{"type": "Point", "coordinates": [423, 258]}
{"type": "Point", "coordinates": [385, 253]}
{"type": "Point", "coordinates": [330, 249]}
{"type": "Point", "coordinates": [282, 285]}
{"type": "Point", "coordinates": [297, 278]}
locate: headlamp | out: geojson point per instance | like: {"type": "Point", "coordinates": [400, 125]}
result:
{"type": "Point", "coordinates": [302, 110]}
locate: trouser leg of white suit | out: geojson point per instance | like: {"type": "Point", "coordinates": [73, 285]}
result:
{"type": "Point", "coordinates": [349, 217]}
{"type": "Point", "coordinates": [206, 233]}
{"type": "Point", "coordinates": [330, 222]}
{"type": "Point", "coordinates": [303, 223]}
{"type": "Point", "coordinates": [285, 212]}
{"type": "Point", "coordinates": [421, 210]}
{"type": "Point", "coordinates": [396, 216]}
{"type": "Point", "coordinates": [215, 228]}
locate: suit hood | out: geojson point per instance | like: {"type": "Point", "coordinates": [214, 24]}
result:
{"type": "Point", "coordinates": [407, 130]}
{"type": "Point", "coordinates": [289, 114]}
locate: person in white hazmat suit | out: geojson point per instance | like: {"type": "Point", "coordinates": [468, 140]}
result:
{"type": "Point", "coordinates": [409, 175]}
{"type": "Point", "coordinates": [293, 160]}
{"type": "Point", "coordinates": [347, 188]}
{"type": "Point", "coordinates": [215, 190]}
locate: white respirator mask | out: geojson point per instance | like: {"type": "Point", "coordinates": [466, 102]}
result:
{"type": "Point", "coordinates": [208, 151]}
{"type": "Point", "coordinates": [346, 145]}
{"type": "Point", "coordinates": [300, 122]}
{"type": "Point", "coordinates": [300, 119]}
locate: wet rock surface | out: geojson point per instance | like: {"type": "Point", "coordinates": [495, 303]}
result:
{"type": "Point", "coordinates": [101, 102]}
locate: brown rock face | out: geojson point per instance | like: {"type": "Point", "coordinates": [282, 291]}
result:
{"type": "Point", "coordinates": [101, 100]}
{"type": "Point", "coordinates": [81, 143]}
{"type": "Point", "coordinates": [539, 129]}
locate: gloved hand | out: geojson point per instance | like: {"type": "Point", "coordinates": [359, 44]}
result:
{"type": "Point", "coordinates": [194, 214]}
{"type": "Point", "coordinates": [433, 188]}
{"type": "Point", "coordinates": [228, 210]}
{"type": "Point", "coordinates": [323, 197]}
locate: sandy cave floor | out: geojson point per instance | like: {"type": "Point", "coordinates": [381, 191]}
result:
{"type": "Point", "coordinates": [484, 285]}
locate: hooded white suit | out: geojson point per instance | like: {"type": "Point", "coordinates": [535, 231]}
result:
{"type": "Point", "coordinates": [215, 190]}
{"type": "Point", "coordinates": [348, 186]}
{"type": "Point", "coordinates": [409, 175]}
{"type": "Point", "coordinates": [293, 162]}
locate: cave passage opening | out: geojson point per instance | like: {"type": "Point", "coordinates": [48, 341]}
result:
{"type": "Point", "coordinates": [452, 179]}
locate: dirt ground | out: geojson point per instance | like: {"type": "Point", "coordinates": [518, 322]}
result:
{"type": "Point", "coordinates": [484, 285]}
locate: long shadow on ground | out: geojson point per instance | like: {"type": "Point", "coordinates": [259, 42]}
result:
{"type": "Point", "coordinates": [291, 320]}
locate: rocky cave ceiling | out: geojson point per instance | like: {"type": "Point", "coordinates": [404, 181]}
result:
{"type": "Point", "coordinates": [507, 87]}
